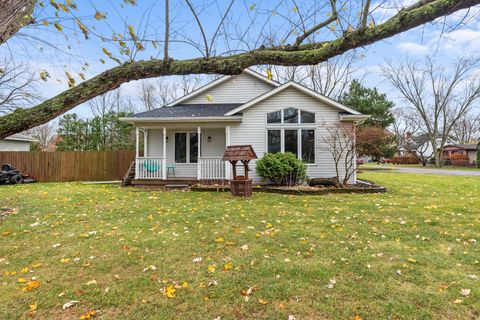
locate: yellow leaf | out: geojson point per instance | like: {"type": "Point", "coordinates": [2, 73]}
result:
{"type": "Point", "coordinates": [58, 27]}
{"type": "Point", "coordinates": [262, 301]}
{"type": "Point", "coordinates": [227, 266]}
{"type": "Point", "coordinates": [31, 285]}
{"type": "Point", "coordinates": [99, 15]}
{"type": "Point", "coordinates": [33, 306]}
{"type": "Point", "coordinates": [412, 260]}
{"type": "Point", "coordinates": [269, 74]}
{"type": "Point", "coordinates": [24, 270]}
{"type": "Point", "coordinates": [169, 292]}
{"type": "Point", "coordinates": [65, 260]}
{"type": "Point", "coordinates": [211, 268]}
{"type": "Point", "coordinates": [184, 284]}
{"type": "Point", "coordinates": [209, 98]}
{"type": "Point", "coordinates": [88, 315]}
{"type": "Point", "coordinates": [21, 280]}
{"type": "Point", "coordinates": [220, 240]}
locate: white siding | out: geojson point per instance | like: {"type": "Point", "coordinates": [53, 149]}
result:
{"type": "Point", "coordinates": [253, 128]}
{"type": "Point", "coordinates": [238, 89]}
{"type": "Point", "coordinates": [14, 145]}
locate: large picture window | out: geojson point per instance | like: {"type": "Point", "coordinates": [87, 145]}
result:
{"type": "Point", "coordinates": [300, 142]}
{"type": "Point", "coordinates": [186, 147]}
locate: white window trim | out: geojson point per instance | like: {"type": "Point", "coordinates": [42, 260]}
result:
{"type": "Point", "coordinates": [188, 147]}
{"type": "Point", "coordinates": [299, 140]}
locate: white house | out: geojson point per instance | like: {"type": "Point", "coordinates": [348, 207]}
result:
{"type": "Point", "coordinates": [16, 142]}
{"type": "Point", "coordinates": [186, 139]}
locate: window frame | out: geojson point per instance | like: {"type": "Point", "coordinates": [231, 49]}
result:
{"type": "Point", "coordinates": [282, 118]}
{"type": "Point", "coordinates": [187, 146]}
{"type": "Point", "coordinates": [299, 140]}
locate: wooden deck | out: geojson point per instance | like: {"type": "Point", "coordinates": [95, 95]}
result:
{"type": "Point", "coordinates": [189, 181]}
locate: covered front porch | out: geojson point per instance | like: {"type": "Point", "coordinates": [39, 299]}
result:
{"type": "Point", "coordinates": [181, 154]}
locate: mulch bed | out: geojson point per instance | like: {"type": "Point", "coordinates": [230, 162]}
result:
{"type": "Point", "coordinates": [360, 187]}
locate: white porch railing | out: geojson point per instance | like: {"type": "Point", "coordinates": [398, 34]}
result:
{"type": "Point", "coordinates": [212, 168]}
{"type": "Point", "coordinates": [149, 168]}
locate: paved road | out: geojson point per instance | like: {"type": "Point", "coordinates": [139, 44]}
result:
{"type": "Point", "coordinates": [445, 172]}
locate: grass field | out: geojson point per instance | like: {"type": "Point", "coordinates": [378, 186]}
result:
{"type": "Point", "coordinates": [411, 253]}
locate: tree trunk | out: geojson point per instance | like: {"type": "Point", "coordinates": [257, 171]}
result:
{"type": "Point", "coordinates": [14, 14]}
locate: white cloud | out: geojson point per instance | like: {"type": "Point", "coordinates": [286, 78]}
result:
{"type": "Point", "coordinates": [413, 48]}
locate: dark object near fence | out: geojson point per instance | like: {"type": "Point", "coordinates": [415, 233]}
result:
{"type": "Point", "coordinates": [9, 175]}
{"type": "Point", "coordinates": [240, 186]}
{"type": "Point", "coordinates": [324, 182]}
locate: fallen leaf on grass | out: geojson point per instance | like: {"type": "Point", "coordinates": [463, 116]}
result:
{"type": "Point", "coordinates": [169, 292]}
{"type": "Point", "coordinates": [34, 284]}
{"type": "Point", "coordinates": [262, 301]}
{"type": "Point", "coordinates": [458, 301]}
{"type": "Point", "coordinates": [465, 292]}
{"type": "Point", "coordinates": [88, 315]}
{"type": "Point", "coordinates": [69, 304]}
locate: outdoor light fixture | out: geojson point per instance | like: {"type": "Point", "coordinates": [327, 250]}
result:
{"type": "Point", "coordinates": [166, 138]}
{"type": "Point", "coordinates": [209, 139]}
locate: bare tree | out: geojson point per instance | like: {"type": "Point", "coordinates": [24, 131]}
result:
{"type": "Point", "coordinates": [329, 78]}
{"type": "Point", "coordinates": [16, 86]}
{"type": "Point", "coordinates": [440, 98]}
{"type": "Point", "coordinates": [467, 128]}
{"type": "Point", "coordinates": [339, 140]}
{"type": "Point", "coordinates": [106, 103]}
{"type": "Point", "coordinates": [45, 133]}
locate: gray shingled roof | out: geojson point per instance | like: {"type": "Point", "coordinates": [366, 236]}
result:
{"type": "Point", "coordinates": [189, 110]}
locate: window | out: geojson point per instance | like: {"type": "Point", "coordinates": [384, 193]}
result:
{"type": "Point", "coordinates": [307, 117]}
{"type": "Point", "coordinates": [290, 115]}
{"type": "Point", "coordinates": [300, 142]}
{"type": "Point", "coordinates": [193, 147]}
{"type": "Point", "coordinates": [186, 150]}
{"type": "Point", "coordinates": [308, 146]}
{"type": "Point", "coordinates": [274, 141]}
{"type": "Point", "coordinates": [180, 147]}
{"type": "Point", "coordinates": [291, 141]}
{"type": "Point", "coordinates": [274, 117]}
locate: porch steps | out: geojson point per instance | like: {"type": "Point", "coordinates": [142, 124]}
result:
{"type": "Point", "coordinates": [129, 175]}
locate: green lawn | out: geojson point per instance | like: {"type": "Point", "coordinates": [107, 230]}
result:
{"type": "Point", "coordinates": [405, 254]}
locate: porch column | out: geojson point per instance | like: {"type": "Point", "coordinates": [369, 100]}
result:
{"type": "Point", "coordinates": [227, 143]}
{"type": "Point", "coordinates": [145, 143]}
{"type": "Point", "coordinates": [137, 150]}
{"type": "Point", "coordinates": [164, 159]}
{"type": "Point", "coordinates": [199, 166]}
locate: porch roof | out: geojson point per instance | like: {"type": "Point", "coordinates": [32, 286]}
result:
{"type": "Point", "coordinates": [189, 111]}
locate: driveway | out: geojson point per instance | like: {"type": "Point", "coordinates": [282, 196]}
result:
{"type": "Point", "coordinates": [445, 172]}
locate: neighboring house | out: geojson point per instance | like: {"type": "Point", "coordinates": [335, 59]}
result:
{"type": "Point", "coordinates": [189, 135]}
{"type": "Point", "coordinates": [417, 145]}
{"type": "Point", "coordinates": [16, 142]}
{"type": "Point", "coordinates": [470, 150]}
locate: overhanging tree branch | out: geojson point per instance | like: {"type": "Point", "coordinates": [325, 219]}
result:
{"type": "Point", "coordinates": [306, 54]}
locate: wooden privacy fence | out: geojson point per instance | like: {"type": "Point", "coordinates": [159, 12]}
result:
{"type": "Point", "coordinates": [71, 165]}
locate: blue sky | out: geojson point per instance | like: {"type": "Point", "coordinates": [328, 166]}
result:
{"type": "Point", "coordinates": [72, 51]}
